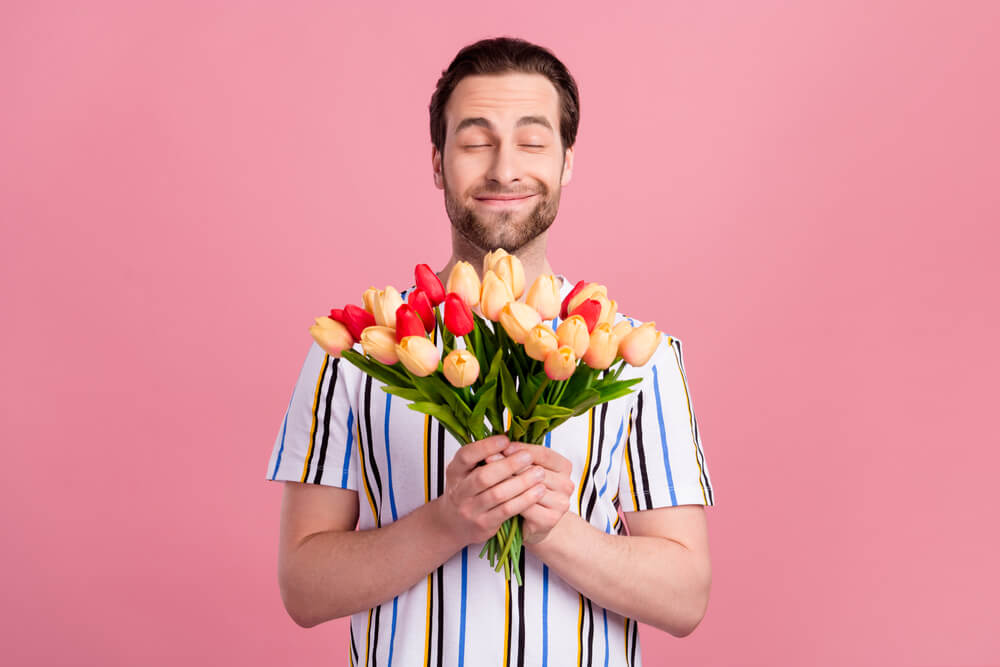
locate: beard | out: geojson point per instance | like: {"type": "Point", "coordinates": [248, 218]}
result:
{"type": "Point", "coordinates": [507, 229]}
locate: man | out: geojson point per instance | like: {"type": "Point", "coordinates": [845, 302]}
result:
{"type": "Point", "coordinates": [503, 125]}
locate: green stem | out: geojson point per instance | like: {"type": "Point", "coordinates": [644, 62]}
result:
{"type": "Point", "coordinates": [534, 400]}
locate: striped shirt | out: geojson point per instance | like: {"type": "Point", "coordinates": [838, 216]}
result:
{"type": "Point", "coordinates": [636, 452]}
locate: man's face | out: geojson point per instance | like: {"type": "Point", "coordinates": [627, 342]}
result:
{"type": "Point", "coordinates": [503, 166]}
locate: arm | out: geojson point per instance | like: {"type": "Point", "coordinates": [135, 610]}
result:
{"type": "Point", "coordinates": [327, 570]}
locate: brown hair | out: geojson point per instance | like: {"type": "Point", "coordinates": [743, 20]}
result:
{"type": "Point", "coordinates": [500, 55]}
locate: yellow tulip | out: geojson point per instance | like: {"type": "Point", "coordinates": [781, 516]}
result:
{"type": "Point", "coordinates": [511, 271]}
{"type": "Point", "coordinates": [385, 304]}
{"type": "Point", "coordinates": [491, 258]}
{"type": "Point", "coordinates": [461, 368]}
{"type": "Point", "coordinates": [380, 342]}
{"type": "Point", "coordinates": [603, 347]}
{"type": "Point", "coordinates": [331, 335]}
{"type": "Point", "coordinates": [543, 296]}
{"type": "Point", "coordinates": [517, 319]}
{"type": "Point", "coordinates": [369, 299]}
{"type": "Point", "coordinates": [639, 344]}
{"type": "Point", "coordinates": [540, 341]}
{"type": "Point", "coordinates": [561, 363]}
{"type": "Point", "coordinates": [464, 281]}
{"type": "Point", "coordinates": [573, 332]}
{"type": "Point", "coordinates": [588, 292]}
{"type": "Point", "coordinates": [609, 308]}
{"type": "Point", "coordinates": [419, 355]}
{"type": "Point", "coordinates": [496, 294]}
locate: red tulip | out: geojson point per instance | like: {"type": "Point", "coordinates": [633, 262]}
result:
{"type": "Point", "coordinates": [428, 281]}
{"type": "Point", "coordinates": [421, 303]}
{"type": "Point", "coordinates": [457, 315]}
{"type": "Point", "coordinates": [408, 323]}
{"type": "Point", "coordinates": [590, 311]}
{"type": "Point", "coordinates": [356, 319]}
{"type": "Point", "coordinates": [563, 314]}
{"type": "Point", "coordinates": [337, 315]}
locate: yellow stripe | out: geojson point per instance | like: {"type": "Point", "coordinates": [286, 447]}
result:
{"type": "Point", "coordinates": [312, 429]}
{"type": "Point", "coordinates": [367, 632]}
{"type": "Point", "coordinates": [579, 627]}
{"type": "Point", "coordinates": [626, 641]}
{"type": "Point", "coordinates": [506, 626]}
{"type": "Point", "coordinates": [586, 467]}
{"type": "Point", "coordinates": [427, 639]}
{"type": "Point", "coordinates": [687, 396]}
{"type": "Point", "coordinates": [628, 468]}
{"type": "Point", "coordinates": [364, 478]}
{"type": "Point", "coordinates": [427, 498]}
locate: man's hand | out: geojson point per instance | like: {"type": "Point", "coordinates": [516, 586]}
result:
{"type": "Point", "coordinates": [485, 486]}
{"type": "Point", "coordinates": [542, 517]}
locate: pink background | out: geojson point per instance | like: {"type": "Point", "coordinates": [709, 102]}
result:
{"type": "Point", "coordinates": [811, 197]}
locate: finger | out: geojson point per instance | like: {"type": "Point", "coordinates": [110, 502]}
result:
{"type": "Point", "coordinates": [510, 488]}
{"type": "Point", "coordinates": [558, 483]}
{"type": "Point", "coordinates": [551, 459]}
{"type": "Point", "coordinates": [516, 505]}
{"type": "Point", "coordinates": [554, 501]}
{"type": "Point", "coordinates": [468, 456]}
{"type": "Point", "coordinates": [492, 474]}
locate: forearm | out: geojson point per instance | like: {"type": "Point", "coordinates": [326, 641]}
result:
{"type": "Point", "coordinates": [337, 573]}
{"type": "Point", "coordinates": [651, 579]}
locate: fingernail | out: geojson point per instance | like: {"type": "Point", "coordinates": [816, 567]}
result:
{"type": "Point", "coordinates": [514, 447]}
{"type": "Point", "coordinates": [523, 458]}
{"type": "Point", "coordinates": [538, 473]}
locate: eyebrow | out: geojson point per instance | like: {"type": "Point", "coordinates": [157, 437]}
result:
{"type": "Point", "coordinates": [523, 120]}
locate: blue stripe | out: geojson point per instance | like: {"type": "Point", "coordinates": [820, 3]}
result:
{"type": "Point", "coordinates": [388, 459]}
{"type": "Point", "coordinates": [545, 615]}
{"type": "Point", "coordinates": [605, 611]}
{"type": "Point", "coordinates": [350, 439]}
{"type": "Point", "coordinates": [392, 637]}
{"type": "Point", "coordinates": [663, 436]}
{"type": "Point", "coordinates": [548, 439]}
{"type": "Point", "coordinates": [461, 627]}
{"type": "Point", "coordinates": [611, 458]}
{"type": "Point", "coordinates": [284, 424]}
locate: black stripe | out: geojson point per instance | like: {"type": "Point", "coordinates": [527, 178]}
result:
{"type": "Point", "coordinates": [508, 597]}
{"type": "Point", "coordinates": [597, 464]}
{"type": "Point", "coordinates": [430, 644]}
{"type": "Point", "coordinates": [354, 647]}
{"type": "Point", "coordinates": [371, 450]}
{"type": "Point", "coordinates": [590, 632]}
{"type": "Point", "coordinates": [628, 459]}
{"type": "Point", "coordinates": [694, 420]}
{"type": "Point", "coordinates": [520, 613]}
{"type": "Point", "coordinates": [627, 661]}
{"type": "Point", "coordinates": [645, 490]}
{"type": "Point", "coordinates": [374, 656]}
{"type": "Point", "coordinates": [326, 421]}
{"type": "Point", "coordinates": [586, 466]}
{"type": "Point", "coordinates": [440, 460]}
{"type": "Point", "coordinates": [635, 639]}
{"type": "Point", "coordinates": [440, 623]}
{"type": "Point", "coordinates": [315, 417]}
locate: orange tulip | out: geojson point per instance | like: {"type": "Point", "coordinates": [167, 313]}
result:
{"type": "Point", "coordinates": [491, 258]}
{"type": "Point", "coordinates": [621, 330]}
{"type": "Point", "coordinates": [496, 294]}
{"type": "Point", "coordinates": [540, 341]}
{"type": "Point", "coordinates": [461, 368]}
{"type": "Point", "coordinates": [588, 292]}
{"type": "Point", "coordinates": [603, 347]}
{"type": "Point", "coordinates": [385, 305]}
{"type": "Point", "coordinates": [464, 281]}
{"type": "Point", "coordinates": [560, 363]}
{"type": "Point", "coordinates": [639, 344]}
{"type": "Point", "coordinates": [573, 332]}
{"type": "Point", "coordinates": [369, 299]}
{"type": "Point", "coordinates": [419, 355]}
{"type": "Point", "coordinates": [331, 335]}
{"type": "Point", "coordinates": [517, 319]}
{"type": "Point", "coordinates": [543, 296]}
{"type": "Point", "coordinates": [380, 342]}
{"type": "Point", "coordinates": [511, 271]}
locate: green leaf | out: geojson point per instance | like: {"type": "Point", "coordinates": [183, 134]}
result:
{"type": "Point", "coordinates": [404, 392]}
{"type": "Point", "coordinates": [484, 398]}
{"type": "Point", "coordinates": [444, 415]}
{"type": "Point", "coordinates": [509, 392]}
{"type": "Point", "coordinates": [588, 399]}
{"type": "Point", "coordinates": [376, 369]}
{"type": "Point", "coordinates": [449, 394]}
{"type": "Point", "coordinates": [551, 411]}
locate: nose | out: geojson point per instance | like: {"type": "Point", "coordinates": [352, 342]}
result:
{"type": "Point", "coordinates": [504, 168]}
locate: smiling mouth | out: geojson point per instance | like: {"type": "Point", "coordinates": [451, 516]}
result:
{"type": "Point", "coordinates": [504, 200]}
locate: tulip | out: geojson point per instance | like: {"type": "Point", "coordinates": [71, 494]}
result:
{"type": "Point", "coordinates": [511, 271]}
{"type": "Point", "coordinates": [517, 319]}
{"type": "Point", "coordinates": [639, 344]}
{"type": "Point", "coordinates": [369, 299]}
{"type": "Point", "coordinates": [491, 258]}
{"type": "Point", "coordinates": [589, 291]}
{"type": "Point", "coordinates": [621, 329]}
{"type": "Point", "coordinates": [331, 335]}
{"type": "Point", "coordinates": [408, 323]}
{"type": "Point", "coordinates": [560, 363]}
{"type": "Point", "coordinates": [543, 296]}
{"type": "Point", "coordinates": [337, 315]}
{"type": "Point", "coordinates": [428, 282]}
{"type": "Point", "coordinates": [461, 368]}
{"type": "Point", "coordinates": [356, 319]}
{"type": "Point", "coordinates": [421, 303]}
{"type": "Point", "coordinates": [419, 355]}
{"type": "Point", "coordinates": [380, 342]}
{"type": "Point", "coordinates": [496, 294]}
{"type": "Point", "coordinates": [540, 341]}
{"type": "Point", "coordinates": [603, 347]}
{"type": "Point", "coordinates": [573, 332]}
{"type": "Point", "coordinates": [609, 314]}
{"type": "Point", "coordinates": [563, 312]}
{"type": "Point", "coordinates": [590, 311]}
{"type": "Point", "coordinates": [464, 281]}
{"type": "Point", "coordinates": [387, 301]}
{"type": "Point", "coordinates": [457, 315]}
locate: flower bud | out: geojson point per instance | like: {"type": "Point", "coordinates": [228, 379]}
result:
{"type": "Point", "coordinates": [603, 347]}
{"type": "Point", "coordinates": [609, 307]}
{"type": "Point", "coordinates": [491, 258]}
{"type": "Point", "coordinates": [517, 319]}
{"type": "Point", "coordinates": [419, 355]}
{"type": "Point", "coordinates": [408, 323]}
{"type": "Point", "coordinates": [563, 309]}
{"type": "Point", "coordinates": [356, 319]}
{"type": "Point", "coordinates": [588, 292]}
{"type": "Point", "coordinates": [639, 344]}
{"type": "Point", "coordinates": [379, 342]}
{"type": "Point", "coordinates": [464, 281]}
{"type": "Point", "coordinates": [540, 341]}
{"type": "Point", "coordinates": [369, 299]}
{"type": "Point", "coordinates": [421, 303]}
{"type": "Point", "coordinates": [496, 294]}
{"type": "Point", "coordinates": [428, 282]}
{"type": "Point", "coordinates": [337, 315]}
{"type": "Point", "coordinates": [560, 364]}
{"type": "Point", "coordinates": [621, 329]}
{"type": "Point", "coordinates": [331, 335]}
{"type": "Point", "coordinates": [572, 332]}
{"type": "Point", "coordinates": [543, 296]}
{"type": "Point", "coordinates": [457, 315]}
{"type": "Point", "coordinates": [590, 311]}
{"type": "Point", "coordinates": [387, 301]}
{"type": "Point", "coordinates": [461, 368]}
{"type": "Point", "coordinates": [510, 270]}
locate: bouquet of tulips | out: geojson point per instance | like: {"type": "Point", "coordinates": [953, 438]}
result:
{"type": "Point", "coordinates": [541, 376]}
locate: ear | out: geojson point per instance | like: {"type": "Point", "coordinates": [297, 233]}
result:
{"type": "Point", "coordinates": [436, 166]}
{"type": "Point", "coordinates": [567, 174]}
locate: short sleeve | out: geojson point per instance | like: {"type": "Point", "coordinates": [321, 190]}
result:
{"type": "Point", "coordinates": [316, 439]}
{"type": "Point", "coordinates": [664, 464]}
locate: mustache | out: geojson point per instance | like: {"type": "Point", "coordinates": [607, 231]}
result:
{"type": "Point", "coordinates": [489, 193]}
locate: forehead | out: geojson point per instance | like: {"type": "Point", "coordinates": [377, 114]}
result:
{"type": "Point", "coordinates": [503, 98]}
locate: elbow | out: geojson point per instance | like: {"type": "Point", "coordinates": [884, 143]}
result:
{"type": "Point", "coordinates": [698, 608]}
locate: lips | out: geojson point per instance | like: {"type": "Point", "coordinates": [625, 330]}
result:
{"type": "Point", "coordinates": [506, 197]}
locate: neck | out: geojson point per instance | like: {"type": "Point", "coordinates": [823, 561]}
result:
{"type": "Point", "coordinates": [532, 256]}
